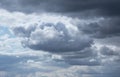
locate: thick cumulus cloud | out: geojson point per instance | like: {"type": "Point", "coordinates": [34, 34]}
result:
{"type": "Point", "coordinates": [51, 33]}
{"type": "Point", "coordinates": [71, 38]}
{"type": "Point", "coordinates": [74, 42]}
{"type": "Point", "coordinates": [53, 37]}
{"type": "Point", "coordinates": [59, 35]}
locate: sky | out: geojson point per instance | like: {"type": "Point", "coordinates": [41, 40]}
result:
{"type": "Point", "coordinates": [59, 38]}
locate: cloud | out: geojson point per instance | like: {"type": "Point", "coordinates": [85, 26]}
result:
{"type": "Point", "coordinates": [107, 51]}
{"type": "Point", "coordinates": [110, 41]}
{"type": "Point", "coordinates": [21, 31]}
{"type": "Point", "coordinates": [71, 38]}
{"type": "Point", "coordinates": [50, 33]}
{"type": "Point", "coordinates": [76, 46]}
{"type": "Point", "coordinates": [53, 37]}
{"type": "Point", "coordinates": [88, 56]}
{"type": "Point", "coordinates": [107, 7]}
{"type": "Point", "coordinates": [106, 27]}
{"type": "Point", "coordinates": [79, 71]}
{"type": "Point", "coordinates": [28, 61]}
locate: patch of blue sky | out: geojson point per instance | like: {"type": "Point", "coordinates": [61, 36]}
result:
{"type": "Point", "coordinates": [9, 43]}
{"type": "Point", "coordinates": [6, 30]}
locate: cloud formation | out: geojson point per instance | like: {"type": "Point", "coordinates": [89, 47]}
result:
{"type": "Point", "coordinates": [108, 27]}
{"type": "Point", "coordinates": [104, 7]}
{"type": "Point", "coordinates": [55, 37]}
{"type": "Point", "coordinates": [85, 44]}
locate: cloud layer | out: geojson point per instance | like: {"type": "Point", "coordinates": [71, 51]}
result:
{"type": "Point", "coordinates": [104, 7]}
{"type": "Point", "coordinates": [42, 38]}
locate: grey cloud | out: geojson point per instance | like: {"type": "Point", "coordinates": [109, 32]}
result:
{"type": "Point", "coordinates": [109, 27]}
{"type": "Point", "coordinates": [9, 62]}
{"type": "Point", "coordinates": [110, 72]}
{"type": "Point", "coordinates": [23, 32]}
{"type": "Point", "coordinates": [92, 56]}
{"type": "Point", "coordinates": [107, 51]}
{"type": "Point", "coordinates": [25, 64]}
{"type": "Point", "coordinates": [79, 71]}
{"type": "Point", "coordinates": [87, 52]}
{"type": "Point", "coordinates": [87, 56]}
{"type": "Point", "coordinates": [107, 7]}
{"type": "Point", "coordinates": [55, 38]}
{"type": "Point", "coordinates": [112, 41]}
{"type": "Point", "coordinates": [73, 46]}
{"type": "Point", "coordinates": [84, 62]}
{"type": "Point", "coordinates": [75, 50]}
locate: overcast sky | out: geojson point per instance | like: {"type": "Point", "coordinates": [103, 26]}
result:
{"type": "Point", "coordinates": [59, 38]}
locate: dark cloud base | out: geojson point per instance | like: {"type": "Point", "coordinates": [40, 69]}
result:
{"type": "Point", "coordinates": [104, 7]}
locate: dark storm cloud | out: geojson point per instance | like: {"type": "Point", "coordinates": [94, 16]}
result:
{"type": "Point", "coordinates": [109, 27]}
{"type": "Point", "coordinates": [107, 7]}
